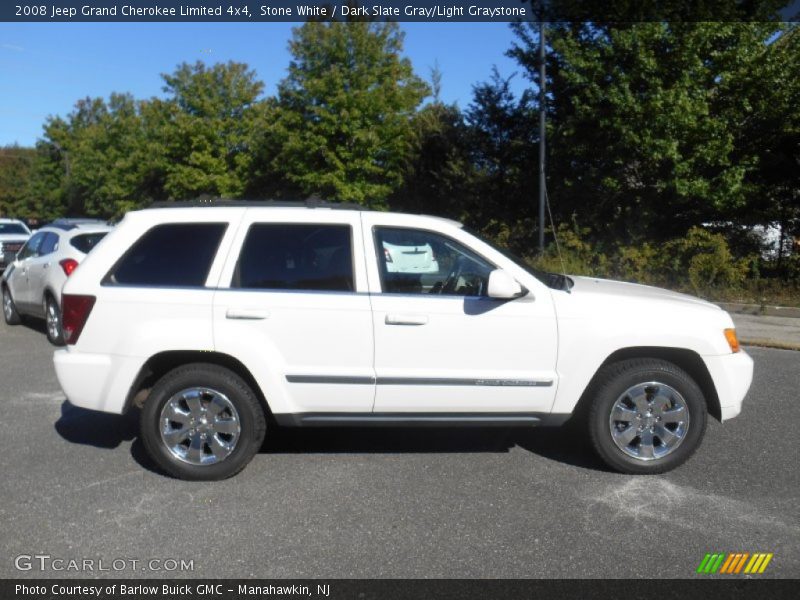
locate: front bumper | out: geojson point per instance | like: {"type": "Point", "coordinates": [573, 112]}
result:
{"type": "Point", "coordinates": [96, 381]}
{"type": "Point", "coordinates": [732, 375]}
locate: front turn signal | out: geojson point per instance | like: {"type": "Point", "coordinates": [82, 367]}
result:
{"type": "Point", "coordinates": [733, 341]}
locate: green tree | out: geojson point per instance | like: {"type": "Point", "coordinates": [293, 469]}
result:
{"type": "Point", "coordinates": [206, 127]}
{"type": "Point", "coordinates": [438, 175]}
{"type": "Point", "coordinates": [342, 121]}
{"type": "Point", "coordinates": [16, 165]}
{"type": "Point", "coordinates": [643, 124]}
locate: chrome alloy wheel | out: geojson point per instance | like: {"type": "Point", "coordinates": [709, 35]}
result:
{"type": "Point", "coordinates": [52, 319]}
{"type": "Point", "coordinates": [200, 426]}
{"type": "Point", "coordinates": [649, 420]}
{"type": "Point", "coordinates": [8, 306]}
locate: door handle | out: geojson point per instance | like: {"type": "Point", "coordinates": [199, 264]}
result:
{"type": "Point", "coordinates": [46, 265]}
{"type": "Point", "coordinates": [246, 314]}
{"type": "Point", "coordinates": [406, 319]}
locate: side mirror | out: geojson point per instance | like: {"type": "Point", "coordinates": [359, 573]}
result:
{"type": "Point", "coordinates": [503, 286]}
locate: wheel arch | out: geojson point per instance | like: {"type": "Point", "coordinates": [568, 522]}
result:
{"type": "Point", "coordinates": [688, 360]}
{"type": "Point", "coordinates": [160, 364]}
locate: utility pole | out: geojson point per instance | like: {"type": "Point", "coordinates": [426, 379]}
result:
{"type": "Point", "coordinates": [542, 98]}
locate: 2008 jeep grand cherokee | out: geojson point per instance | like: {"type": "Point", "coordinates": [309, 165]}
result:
{"type": "Point", "coordinates": [212, 318]}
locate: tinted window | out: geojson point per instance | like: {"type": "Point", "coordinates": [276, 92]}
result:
{"type": "Point", "coordinates": [296, 257]}
{"type": "Point", "coordinates": [12, 228]}
{"type": "Point", "coordinates": [31, 248]}
{"type": "Point", "coordinates": [414, 261]}
{"type": "Point", "coordinates": [85, 242]}
{"type": "Point", "coordinates": [177, 254]}
{"type": "Point", "coordinates": [49, 243]}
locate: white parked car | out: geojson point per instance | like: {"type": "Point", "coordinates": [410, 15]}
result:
{"type": "Point", "coordinates": [32, 282]}
{"type": "Point", "coordinates": [13, 235]}
{"type": "Point", "coordinates": [210, 318]}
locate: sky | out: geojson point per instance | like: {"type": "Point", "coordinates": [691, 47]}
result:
{"type": "Point", "coordinates": [46, 67]}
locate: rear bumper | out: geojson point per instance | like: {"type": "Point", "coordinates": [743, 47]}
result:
{"type": "Point", "coordinates": [732, 375]}
{"type": "Point", "coordinates": [96, 381]}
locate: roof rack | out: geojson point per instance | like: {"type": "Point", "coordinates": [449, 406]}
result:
{"type": "Point", "coordinates": [309, 203]}
{"type": "Point", "coordinates": [68, 223]}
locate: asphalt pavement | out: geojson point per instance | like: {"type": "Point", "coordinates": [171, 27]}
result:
{"type": "Point", "coordinates": [465, 503]}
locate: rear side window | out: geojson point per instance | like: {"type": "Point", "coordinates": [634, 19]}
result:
{"type": "Point", "coordinates": [49, 244]}
{"type": "Point", "coordinates": [85, 242]}
{"type": "Point", "coordinates": [175, 254]}
{"type": "Point", "coordinates": [284, 256]}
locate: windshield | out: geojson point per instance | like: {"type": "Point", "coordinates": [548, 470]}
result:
{"type": "Point", "coordinates": [13, 229]}
{"type": "Point", "coordinates": [555, 281]}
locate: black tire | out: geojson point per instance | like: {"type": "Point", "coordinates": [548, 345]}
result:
{"type": "Point", "coordinates": [250, 413]}
{"type": "Point", "coordinates": [52, 316]}
{"type": "Point", "coordinates": [9, 308]}
{"type": "Point", "coordinates": [616, 379]}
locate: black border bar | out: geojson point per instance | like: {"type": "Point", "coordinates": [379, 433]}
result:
{"type": "Point", "coordinates": [254, 11]}
{"type": "Point", "coordinates": [733, 588]}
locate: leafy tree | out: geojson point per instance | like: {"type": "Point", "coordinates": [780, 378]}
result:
{"type": "Point", "coordinates": [342, 124]}
{"type": "Point", "coordinates": [16, 164]}
{"type": "Point", "coordinates": [438, 175]}
{"type": "Point", "coordinates": [205, 126]}
{"type": "Point", "coordinates": [643, 129]}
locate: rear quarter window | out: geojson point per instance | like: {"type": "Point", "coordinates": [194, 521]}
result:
{"type": "Point", "coordinates": [169, 255]}
{"type": "Point", "coordinates": [86, 241]}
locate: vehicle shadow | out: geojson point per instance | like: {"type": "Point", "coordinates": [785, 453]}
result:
{"type": "Point", "coordinates": [565, 444]}
{"type": "Point", "coordinates": [92, 428]}
{"type": "Point", "coordinates": [560, 444]}
{"type": "Point", "coordinates": [35, 324]}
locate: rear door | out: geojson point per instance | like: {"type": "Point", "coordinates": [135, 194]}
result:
{"type": "Point", "coordinates": [38, 268]}
{"type": "Point", "coordinates": [293, 302]}
{"type": "Point", "coordinates": [18, 280]}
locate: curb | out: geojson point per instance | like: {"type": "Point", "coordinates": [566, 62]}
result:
{"type": "Point", "coordinates": [760, 309]}
{"type": "Point", "coordinates": [763, 343]}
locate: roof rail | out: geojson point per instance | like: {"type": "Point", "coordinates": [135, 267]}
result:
{"type": "Point", "coordinates": [309, 203]}
{"type": "Point", "coordinates": [69, 223]}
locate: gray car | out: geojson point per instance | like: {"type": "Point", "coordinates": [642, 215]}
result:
{"type": "Point", "coordinates": [33, 280]}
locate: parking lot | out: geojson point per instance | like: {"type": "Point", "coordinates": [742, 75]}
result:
{"type": "Point", "coordinates": [472, 503]}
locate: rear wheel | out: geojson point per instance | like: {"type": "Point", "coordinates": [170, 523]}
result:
{"type": "Point", "coordinates": [202, 422]}
{"type": "Point", "coordinates": [648, 416]}
{"type": "Point", "coordinates": [52, 317]}
{"type": "Point", "coordinates": [9, 308]}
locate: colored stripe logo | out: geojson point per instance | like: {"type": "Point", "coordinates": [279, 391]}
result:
{"type": "Point", "coordinates": [734, 563]}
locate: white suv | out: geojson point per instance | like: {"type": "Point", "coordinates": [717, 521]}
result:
{"type": "Point", "coordinates": [216, 320]}
{"type": "Point", "coordinates": [33, 280]}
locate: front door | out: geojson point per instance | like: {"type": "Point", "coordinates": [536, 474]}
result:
{"type": "Point", "coordinates": [443, 346]}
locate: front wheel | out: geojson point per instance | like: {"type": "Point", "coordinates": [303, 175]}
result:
{"type": "Point", "coordinates": [202, 422]}
{"type": "Point", "coordinates": [648, 416]}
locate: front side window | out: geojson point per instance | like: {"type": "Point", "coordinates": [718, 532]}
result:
{"type": "Point", "coordinates": [31, 248]}
{"type": "Point", "coordinates": [170, 255]}
{"type": "Point", "coordinates": [296, 256]}
{"type": "Point", "coordinates": [415, 261]}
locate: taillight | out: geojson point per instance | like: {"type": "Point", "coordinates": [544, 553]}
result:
{"type": "Point", "coordinates": [69, 265]}
{"type": "Point", "coordinates": [74, 314]}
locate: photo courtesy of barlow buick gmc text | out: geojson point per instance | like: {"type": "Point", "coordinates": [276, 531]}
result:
{"type": "Point", "coordinates": [349, 300]}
